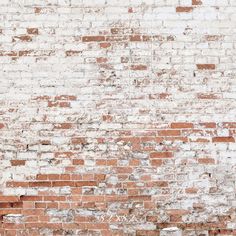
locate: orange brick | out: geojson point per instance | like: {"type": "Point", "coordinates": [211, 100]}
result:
{"type": "Point", "coordinates": [161, 154]}
{"type": "Point", "coordinates": [17, 162]}
{"type": "Point", "coordinates": [206, 66]}
{"type": "Point", "coordinates": [169, 133]}
{"type": "Point", "coordinates": [93, 38]}
{"type": "Point", "coordinates": [32, 31]}
{"type": "Point", "coordinates": [196, 2]}
{"type": "Point", "coordinates": [180, 125]}
{"type": "Point", "coordinates": [184, 9]}
{"type": "Point", "coordinates": [223, 139]}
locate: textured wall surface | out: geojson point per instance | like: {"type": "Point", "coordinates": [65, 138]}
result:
{"type": "Point", "coordinates": [117, 117]}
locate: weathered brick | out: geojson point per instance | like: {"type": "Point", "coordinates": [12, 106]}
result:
{"type": "Point", "coordinates": [196, 2]}
{"type": "Point", "coordinates": [223, 139]}
{"type": "Point", "coordinates": [32, 31]}
{"type": "Point", "coordinates": [181, 125]}
{"type": "Point", "coordinates": [161, 154]}
{"type": "Point", "coordinates": [93, 38]}
{"type": "Point", "coordinates": [206, 66]}
{"type": "Point", "coordinates": [17, 162]}
{"type": "Point", "coordinates": [184, 9]}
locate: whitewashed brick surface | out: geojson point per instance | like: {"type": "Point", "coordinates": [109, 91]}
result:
{"type": "Point", "coordinates": [117, 117]}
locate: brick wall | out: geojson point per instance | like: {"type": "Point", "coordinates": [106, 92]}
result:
{"type": "Point", "coordinates": [117, 117]}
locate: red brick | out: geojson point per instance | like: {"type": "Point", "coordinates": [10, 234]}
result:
{"type": "Point", "coordinates": [206, 161]}
{"type": "Point", "coordinates": [206, 66]}
{"type": "Point", "coordinates": [9, 198]}
{"type": "Point", "coordinates": [17, 162]}
{"type": "Point", "coordinates": [32, 31]}
{"type": "Point", "coordinates": [184, 9]}
{"type": "Point", "coordinates": [135, 38]}
{"type": "Point", "coordinates": [79, 140]}
{"type": "Point", "coordinates": [169, 133]}
{"type": "Point", "coordinates": [40, 184]}
{"type": "Point", "coordinates": [63, 126]}
{"type": "Point", "coordinates": [63, 183]}
{"type": "Point", "coordinates": [78, 162]}
{"type": "Point", "coordinates": [105, 45]}
{"type": "Point", "coordinates": [86, 183]}
{"type": "Point", "coordinates": [161, 154]}
{"type": "Point", "coordinates": [65, 97]}
{"type": "Point", "coordinates": [23, 38]}
{"type": "Point", "coordinates": [138, 67]}
{"type": "Point", "coordinates": [223, 139]}
{"type": "Point", "coordinates": [71, 53]}
{"type": "Point", "coordinates": [191, 190]}
{"type": "Point", "coordinates": [93, 38]}
{"type": "Point", "coordinates": [181, 125]}
{"type": "Point", "coordinates": [156, 162]}
{"type": "Point", "coordinates": [17, 184]}
{"type": "Point", "coordinates": [207, 96]}
{"type": "Point", "coordinates": [196, 2]}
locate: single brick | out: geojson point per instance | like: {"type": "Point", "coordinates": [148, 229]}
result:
{"type": "Point", "coordinates": [93, 38]}
{"type": "Point", "coordinates": [213, 37]}
{"type": "Point", "coordinates": [191, 190]}
{"type": "Point", "coordinates": [206, 161]}
{"type": "Point", "coordinates": [71, 53]}
{"type": "Point", "coordinates": [169, 133]}
{"type": "Point", "coordinates": [23, 38]}
{"type": "Point", "coordinates": [196, 2]}
{"type": "Point", "coordinates": [37, 10]}
{"type": "Point", "coordinates": [223, 139]}
{"type": "Point", "coordinates": [207, 96]}
{"type": "Point", "coordinates": [161, 154]}
{"type": "Point", "coordinates": [78, 162]}
{"type": "Point", "coordinates": [63, 126]}
{"type": "Point", "coordinates": [17, 162]}
{"type": "Point", "coordinates": [180, 125]}
{"type": "Point", "coordinates": [206, 66]}
{"type": "Point", "coordinates": [184, 9]}
{"type": "Point", "coordinates": [156, 162]}
{"type": "Point", "coordinates": [138, 67]}
{"type": "Point", "coordinates": [32, 31]}
{"type": "Point", "coordinates": [105, 45]}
